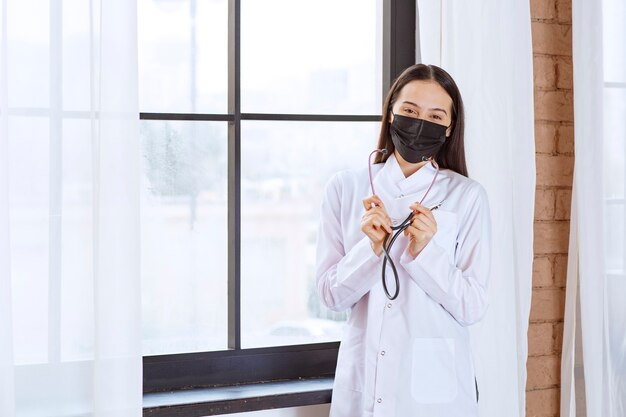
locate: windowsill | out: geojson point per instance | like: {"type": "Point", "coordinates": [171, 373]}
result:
{"type": "Point", "coordinates": [201, 402]}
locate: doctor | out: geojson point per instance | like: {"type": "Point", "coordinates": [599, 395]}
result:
{"type": "Point", "coordinates": [409, 356]}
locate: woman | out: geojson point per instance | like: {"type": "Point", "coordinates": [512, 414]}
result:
{"type": "Point", "coordinates": [408, 355]}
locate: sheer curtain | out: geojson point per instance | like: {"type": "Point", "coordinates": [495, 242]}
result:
{"type": "Point", "coordinates": [70, 340]}
{"type": "Point", "coordinates": [593, 371]}
{"type": "Point", "coordinates": [486, 47]}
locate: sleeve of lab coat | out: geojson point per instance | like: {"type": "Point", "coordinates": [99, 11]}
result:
{"type": "Point", "coordinates": [462, 288]}
{"type": "Point", "coordinates": [342, 277]}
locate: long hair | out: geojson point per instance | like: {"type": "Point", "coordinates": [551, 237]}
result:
{"type": "Point", "coordinates": [452, 153]}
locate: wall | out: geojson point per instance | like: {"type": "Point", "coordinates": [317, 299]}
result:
{"type": "Point", "coordinates": [554, 139]}
{"type": "Point", "coordinates": [320, 410]}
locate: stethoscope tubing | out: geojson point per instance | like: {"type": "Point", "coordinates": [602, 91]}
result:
{"type": "Point", "coordinates": [386, 248]}
{"type": "Point", "coordinates": [398, 230]}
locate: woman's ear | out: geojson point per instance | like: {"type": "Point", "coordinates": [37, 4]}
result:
{"type": "Point", "coordinates": [390, 117]}
{"type": "Point", "coordinates": [449, 130]}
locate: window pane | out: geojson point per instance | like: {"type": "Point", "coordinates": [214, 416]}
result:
{"type": "Point", "coordinates": [319, 57]}
{"type": "Point", "coordinates": [28, 44]}
{"type": "Point", "coordinates": [614, 146]}
{"type": "Point", "coordinates": [184, 236]}
{"type": "Point", "coordinates": [29, 216]}
{"type": "Point", "coordinates": [51, 222]}
{"type": "Point", "coordinates": [614, 152]}
{"type": "Point", "coordinates": [77, 241]}
{"type": "Point", "coordinates": [614, 40]}
{"type": "Point", "coordinates": [285, 166]}
{"type": "Point", "coordinates": [76, 61]}
{"type": "Point", "coordinates": [183, 56]}
{"type": "Point", "coordinates": [614, 237]}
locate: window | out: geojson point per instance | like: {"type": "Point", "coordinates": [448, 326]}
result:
{"type": "Point", "coordinates": [614, 128]}
{"type": "Point", "coordinates": [248, 107]}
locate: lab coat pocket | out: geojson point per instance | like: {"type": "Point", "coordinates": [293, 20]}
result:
{"type": "Point", "coordinates": [446, 231]}
{"type": "Point", "coordinates": [433, 374]}
{"type": "Point", "coordinates": [349, 372]}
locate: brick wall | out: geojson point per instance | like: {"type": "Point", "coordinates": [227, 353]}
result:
{"type": "Point", "coordinates": [554, 140]}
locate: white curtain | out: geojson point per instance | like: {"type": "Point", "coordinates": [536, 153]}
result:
{"type": "Point", "coordinates": [70, 339]}
{"type": "Point", "coordinates": [593, 371]}
{"type": "Point", "coordinates": [486, 46]}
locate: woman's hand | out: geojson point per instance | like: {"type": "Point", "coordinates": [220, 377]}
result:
{"type": "Point", "coordinates": [422, 228]}
{"type": "Point", "coordinates": [375, 223]}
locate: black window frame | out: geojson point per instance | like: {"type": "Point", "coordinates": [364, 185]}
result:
{"type": "Point", "coordinates": [235, 365]}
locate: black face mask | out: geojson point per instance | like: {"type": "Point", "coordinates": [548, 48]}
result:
{"type": "Point", "coordinates": [416, 139]}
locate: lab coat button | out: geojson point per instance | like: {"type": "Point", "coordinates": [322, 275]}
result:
{"type": "Point", "coordinates": [389, 305]}
{"type": "Point", "coordinates": [382, 353]}
{"type": "Point", "coordinates": [395, 222]}
{"type": "Point", "coordinates": [401, 195]}
{"type": "Point", "coordinates": [380, 400]}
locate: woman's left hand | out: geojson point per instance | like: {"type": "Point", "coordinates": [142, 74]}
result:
{"type": "Point", "coordinates": [422, 228]}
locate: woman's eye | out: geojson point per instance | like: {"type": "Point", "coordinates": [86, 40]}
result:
{"type": "Point", "coordinates": [410, 111]}
{"type": "Point", "coordinates": [436, 116]}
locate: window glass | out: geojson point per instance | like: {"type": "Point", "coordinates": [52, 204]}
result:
{"type": "Point", "coordinates": [183, 56]}
{"type": "Point", "coordinates": [285, 166]}
{"type": "Point", "coordinates": [614, 40]}
{"type": "Point", "coordinates": [184, 236]}
{"type": "Point", "coordinates": [318, 57]}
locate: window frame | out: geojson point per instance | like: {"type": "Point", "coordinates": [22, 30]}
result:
{"type": "Point", "coordinates": [235, 365]}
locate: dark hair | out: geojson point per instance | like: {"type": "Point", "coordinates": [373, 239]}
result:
{"type": "Point", "coordinates": [452, 153]}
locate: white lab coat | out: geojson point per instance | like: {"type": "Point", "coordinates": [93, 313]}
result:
{"type": "Point", "coordinates": [410, 356]}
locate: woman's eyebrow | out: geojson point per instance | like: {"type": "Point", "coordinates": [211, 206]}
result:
{"type": "Point", "coordinates": [434, 108]}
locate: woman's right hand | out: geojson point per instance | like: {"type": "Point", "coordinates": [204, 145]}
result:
{"type": "Point", "coordinates": [375, 223]}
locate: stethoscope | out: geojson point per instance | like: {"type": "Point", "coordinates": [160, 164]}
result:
{"type": "Point", "coordinates": [388, 243]}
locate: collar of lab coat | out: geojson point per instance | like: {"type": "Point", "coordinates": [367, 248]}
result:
{"type": "Point", "coordinates": [398, 191]}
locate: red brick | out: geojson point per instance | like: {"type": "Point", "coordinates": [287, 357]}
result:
{"type": "Point", "coordinates": [563, 204]}
{"type": "Point", "coordinates": [555, 170]}
{"type": "Point", "coordinates": [560, 271]}
{"type": "Point", "coordinates": [540, 339]}
{"type": "Point", "coordinates": [555, 106]}
{"type": "Point", "coordinates": [554, 147]}
{"type": "Point", "coordinates": [565, 139]}
{"type": "Point", "coordinates": [545, 137]}
{"type": "Point", "coordinates": [564, 11]}
{"type": "Point", "coordinates": [551, 237]}
{"type": "Point", "coordinates": [542, 9]}
{"type": "Point", "coordinates": [547, 304]}
{"type": "Point", "coordinates": [551, 38]}
{"type": "Point", "coordinates": [558, 337]}
{"type": "Point", "coordinates": [543, 403]}
{"type": "Point", "coordinates": [545, 204]}
{"type": "Point", "coordinates": [544, 72]}
{"type": "Point", "coordinates": [543, 372]}
{"type": "Point", "coordinates": [564, 72]}
{"type": "Point", "coordinates": [542, 272]}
